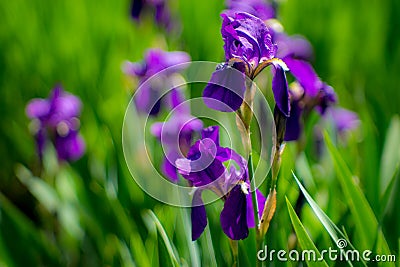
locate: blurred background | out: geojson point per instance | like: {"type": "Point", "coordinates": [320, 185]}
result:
{"type": "Point", "coordinates": [91, 212]}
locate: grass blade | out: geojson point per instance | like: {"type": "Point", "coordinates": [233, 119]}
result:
{"type": "Point", "coordinates": [335, 233]}
{"type": "Point", "coordinates": [304, 239]}
{"type": "Point", "coordinates": [169, 246]}
{"type": "Point", "coordinates": [390, 155]}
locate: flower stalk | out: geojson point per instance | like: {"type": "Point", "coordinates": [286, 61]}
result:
{"type": "Point", "coordinates": [270, 205]}
{"type": "Point", "coordinates": [245, 115]}
{"type": "Point", "coordinates": [235, 252]}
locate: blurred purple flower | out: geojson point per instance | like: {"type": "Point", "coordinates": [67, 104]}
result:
{"type": "Point", "coordinates": [176, 136]}
{"type": "Point", "coordinates": [204, 169]}
{"type": "Point", "coordinates": [249, 49]}
{"type": "Point", "coordinates": [302, 102]}
{"type": "Point", "coordinates": [258, 8]}
{"type": "Point", "coordinates": [295, 46]}
{"type": "Point", "coordinates": [293, 123]}
{"type": "Point", "coordinates": [57, 119]}
{"type": "Point", "coordinates": [150, 98]}
{"type": "Point", "coordinates": [309, 92]}
{"type": "Point", "coordinates": [343, 119]}
{"type": "Point", "coordinates": [162, 14]}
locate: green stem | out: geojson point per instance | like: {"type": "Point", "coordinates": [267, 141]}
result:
{"type": "Point", "coordinates": [235, 252]}
{"type": "Point", "coordinates": [253, 191]}
{"type": "Point", "coordinates": [276, 164]}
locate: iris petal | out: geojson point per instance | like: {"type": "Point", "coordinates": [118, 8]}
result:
{"type": "Point", "coordinates": [212, 133]}
{"type": "Point", "coordinates": [250, 211]}
{"type": "Point", "coordinates": [198, 215]}
{"type": "Point", "coordinates": [169, 170]}
{"type": "Point", "coordinates": [293, 124]}
{"type": "Point", "coordinates": [280, 90]}
{"type": "Point", "coordinates": [225, 90]}
{"type": "Point", "coordinates": [305, 75]}
{"type": "Point", "coordinates": [233, 216]}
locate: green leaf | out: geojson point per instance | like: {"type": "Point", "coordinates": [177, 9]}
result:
{"type": "Point", "coordinates": [303, 238]}
{"type": "Point", "coordinates": [390, 155]}
{"type": "Point", "coordinates": [126, 257]}
{"type": "Point", "coordinates": [169, 246]}
{"type": "Point", "coordinates": [138, 250]}
{"type": "Point", "coordinates": [389, 193]}
{"type": "Point", "coordinates": [366, 224]}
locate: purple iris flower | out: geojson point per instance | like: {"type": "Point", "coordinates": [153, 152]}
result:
{"type": "Point", "coordinates": [204, 169]}
{"type": "Point", "coordinates": [57, 119]}
{"type": "Point", "coordinates": [160, 8]}
{"type": "Point", "coordinates": [258, 8]}
{"type": "Point", "coordinates": [249, 49]}
{"type": "Point", "coordinates": [176, 136]}
{"type": "Point", "coordinates": [149, 98]}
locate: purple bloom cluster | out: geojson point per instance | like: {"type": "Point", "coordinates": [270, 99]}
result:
{"type": "Point", "coordinates": [249, 47]}
{"type": "Point", "coordinates": [56, 119]}
{"type": "Point", "coordinates": [150, 98]}
{"type": "Point", "coordinates": [205, 170]}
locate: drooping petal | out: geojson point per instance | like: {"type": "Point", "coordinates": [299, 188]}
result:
{"type": "Point", "coordinates": [212, 133]}
{"type": "Point", "coordinates": [293, 123]}
{"type": "Point", "coordinates": [280, 90]}
{"type": "Point", "coordinates": [169, 169]}
{"type": "Point", "coordinates": [133, 69]}
{"type": "Point", "coordinates": [233, 216]}
{"type": "Point", "coordinates": [162, 14]}
{"type": "Point", "coordinates": [148, 100]}
{"type": "Point", "coordinates": [136, 8]}
{"type": "Point", "coordinates": [327, 98]}
{"type": "Point", "coordinates": [305, 75]}
{"type": "Point", "coordinates": [250, 211]}
{"type": "Point", "coordinates": [198, 215]}
{"type": "Point", "coordinates": [176, 99]}
{"type": "Point", "coordinates": [70, 147]}
{"type": "Point", "coordinates": [225, 90]}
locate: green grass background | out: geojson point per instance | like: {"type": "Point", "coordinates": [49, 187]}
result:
{"type": "Point", "coordinates": [91, 213]}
